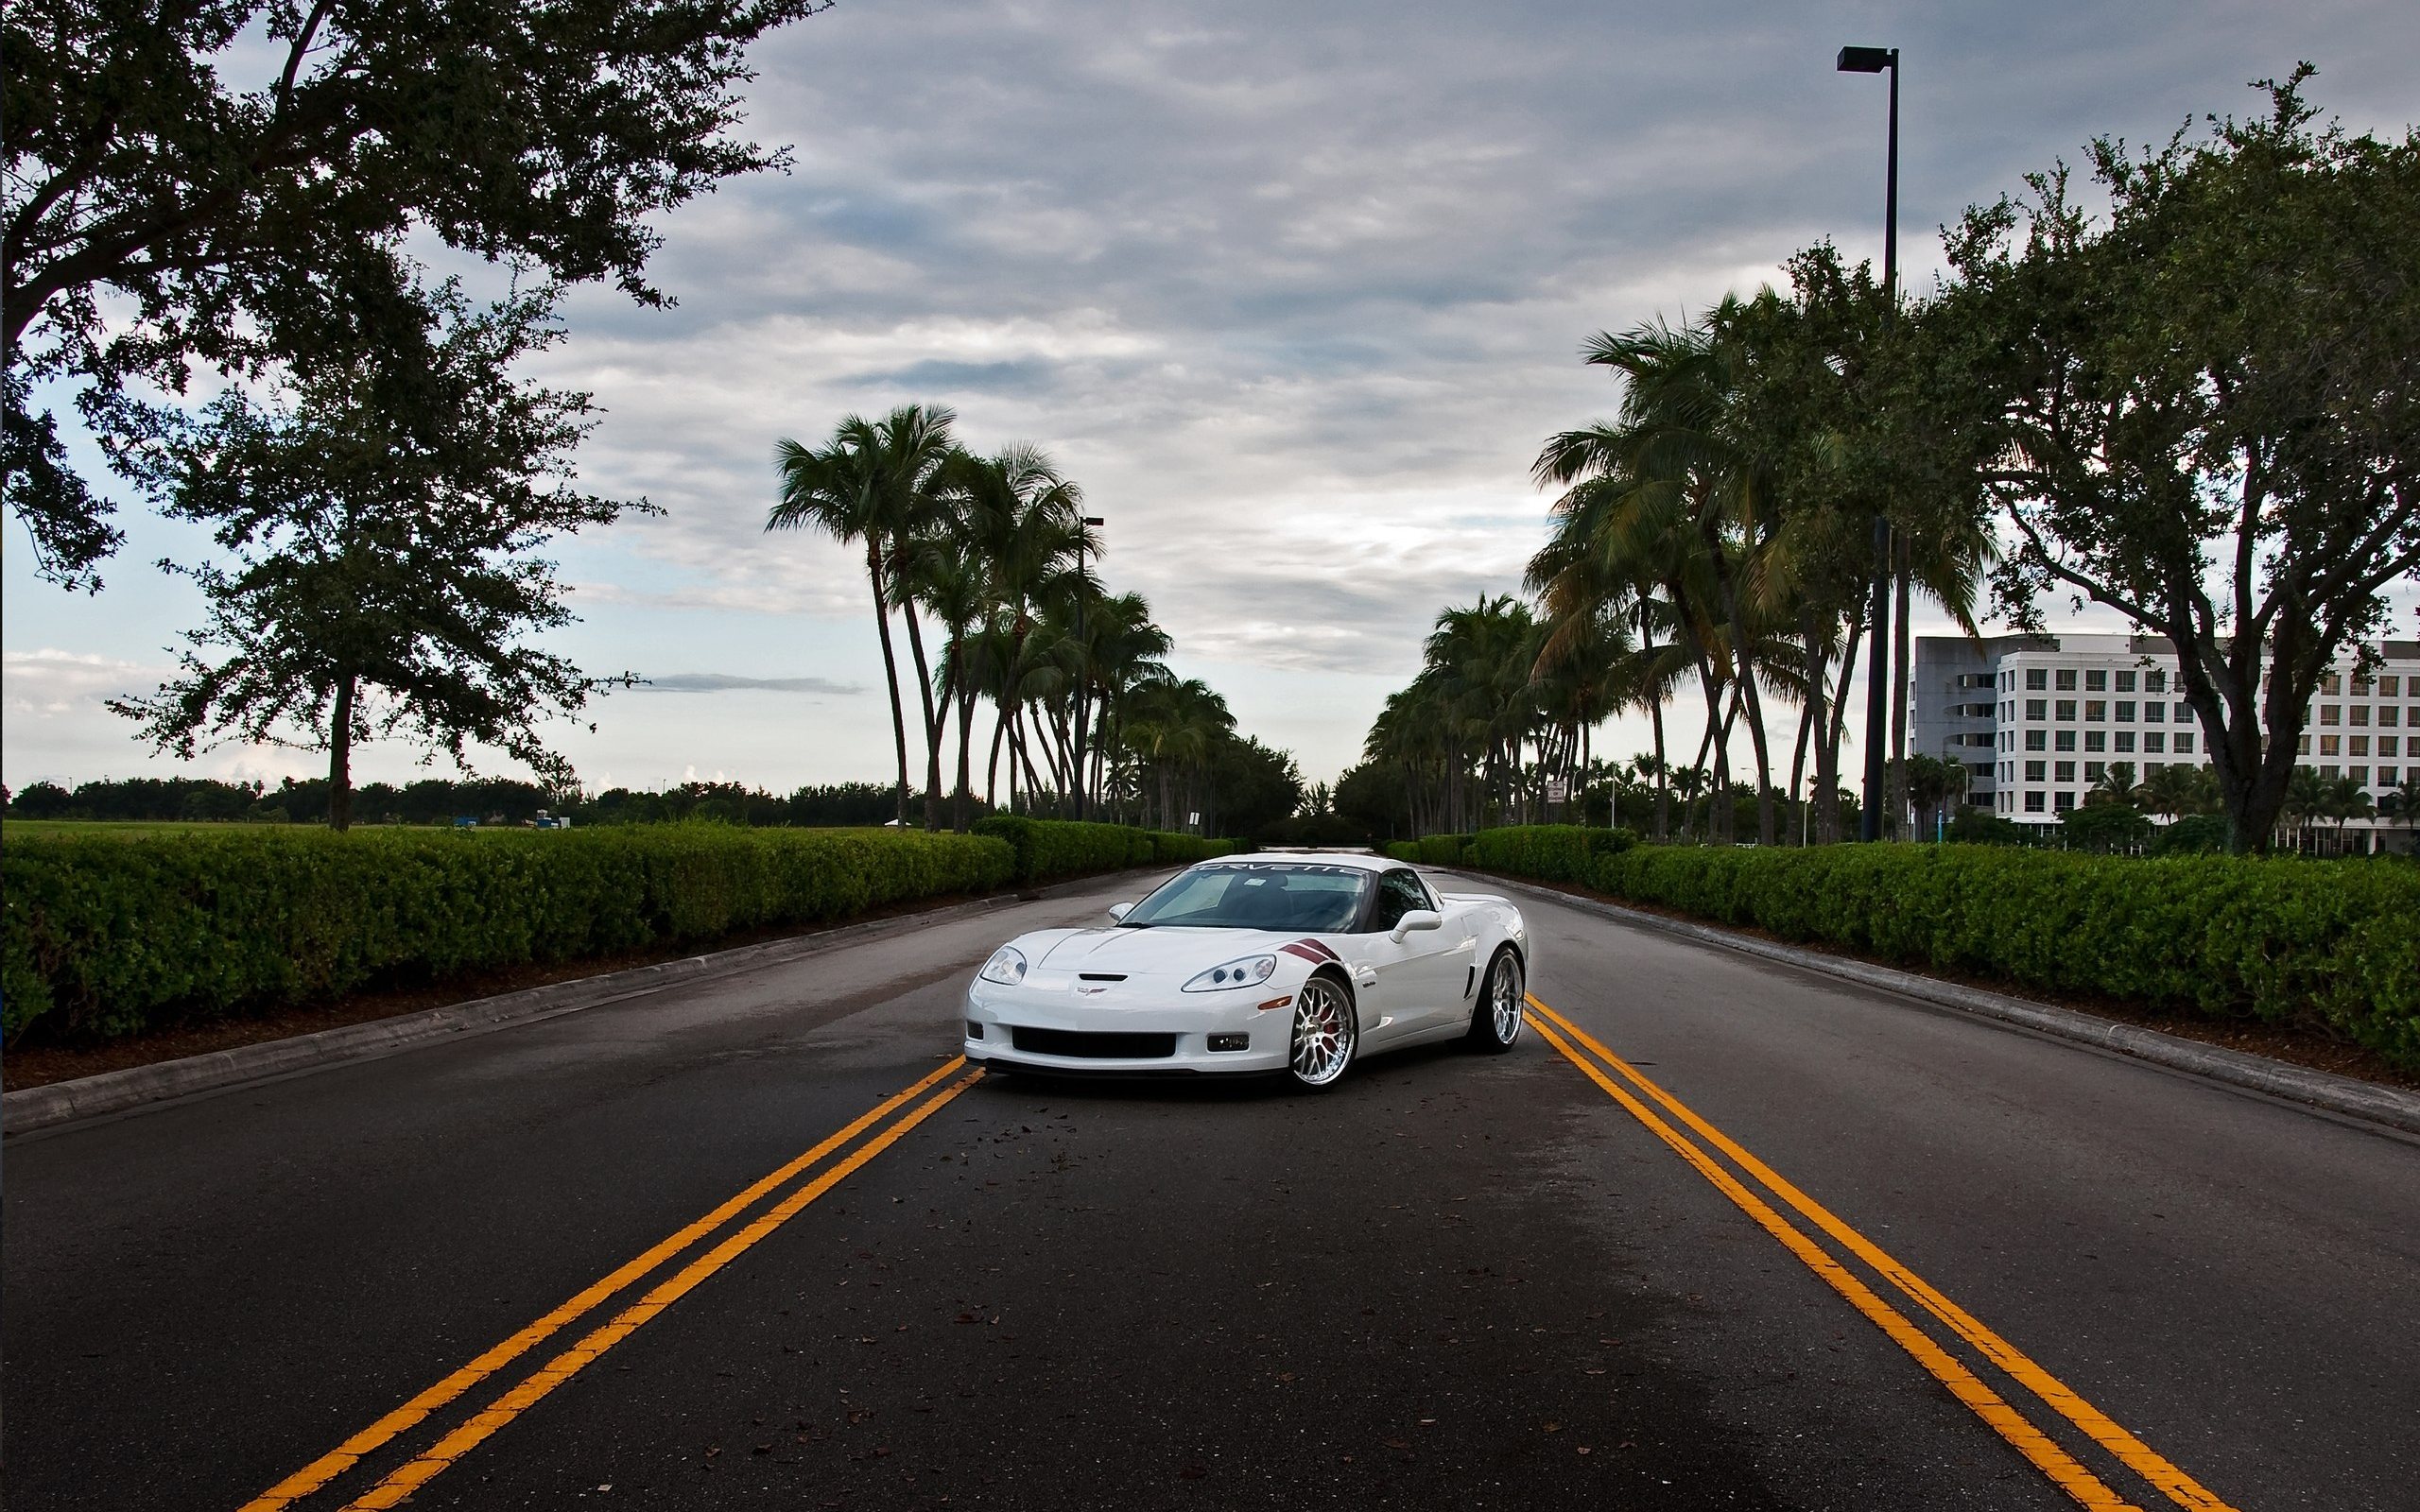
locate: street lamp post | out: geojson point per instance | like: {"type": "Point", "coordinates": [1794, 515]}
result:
{"type": "Point", "coordinates": [1083, 673]}
{"type": "Point", "coordinates": [1877, 673]}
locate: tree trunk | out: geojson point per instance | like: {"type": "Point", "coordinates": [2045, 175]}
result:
{"type": "Point", "coordinates": [340, 756]}
{"type": "Point", "coordinates": [934, 725]}
{"type": "Point", "coordinates": [1902, 642]}
{"type": "Point", "coordinates": [1827, 760]}
{"type": "Point", "coordinates": [1663, 773]}
{"type": "Point", "coordinates": [992, 778]}
{"type": "Point", "coordinates": [966, 754]}
{"type": "Point", "coordinates": [889, 666]}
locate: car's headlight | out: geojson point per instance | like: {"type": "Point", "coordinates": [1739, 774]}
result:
{"type": "Point", "coordinates": [1006, 967]}
{"type": "Point", "coordinates": [1250, 971]}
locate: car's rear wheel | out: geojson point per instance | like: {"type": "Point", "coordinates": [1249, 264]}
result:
{"type": "Point", "coordinates": [1495, 1018]}
{"type": "Point", "coordinates": [1325, 1034]}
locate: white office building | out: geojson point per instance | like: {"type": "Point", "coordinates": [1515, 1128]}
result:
{"type": "Point", "coordinates": [2036, 719]}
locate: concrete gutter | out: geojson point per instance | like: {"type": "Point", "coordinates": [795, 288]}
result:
{"type": "Point", "coordinates": [115, 1092]}
{"type": "Point", "coordinates": [2391, 1106]}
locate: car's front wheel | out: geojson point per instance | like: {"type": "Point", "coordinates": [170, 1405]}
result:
{"type": "Point", "coordinates": [1495, 1018]}
{"type": "Point", "coordinates": [1325, 1034]}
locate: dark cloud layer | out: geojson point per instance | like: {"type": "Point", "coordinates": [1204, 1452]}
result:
{"type": "Point", "coordinates": [1296, 290]}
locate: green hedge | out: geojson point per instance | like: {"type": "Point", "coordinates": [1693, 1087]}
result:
{"type": "Point", "coordinates": [1434, 849]}
{"type": "Point", "coordinates": [110, 935]}
{"type": "Point", "coordinates": [2280, 938]}
{"type": "Point", "coordinates": [1067, 848]}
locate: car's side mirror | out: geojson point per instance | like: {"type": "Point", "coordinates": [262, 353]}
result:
{"type": "Point", "coordinates": [1417, 919]}
{"type": "Point", "coordinates": [1118, 911]}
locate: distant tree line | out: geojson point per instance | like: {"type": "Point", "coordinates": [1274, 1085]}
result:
{"type": "Point", "coordinates": [1258, 785]}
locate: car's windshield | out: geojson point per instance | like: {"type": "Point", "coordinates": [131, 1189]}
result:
{"type": "Point", "coordinates": [1281, 895]}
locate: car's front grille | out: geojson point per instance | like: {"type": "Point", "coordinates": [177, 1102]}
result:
{"type": "Point", "coordinates": [1073, 1043]}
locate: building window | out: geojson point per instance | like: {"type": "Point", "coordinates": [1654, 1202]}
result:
{"type": "Point", "coordinates": [2360, 713]}
{"type": "Point", "coordinates": [2330, 744]}
{"type": "Point", "coordinates": [2302, 746]}
{"type": "Point", "coordinates": [2125, 711]}
{"type": "Point", "coordinates": [2095, 711]}
{"type": "Point", "coordinates": [2063, 803]}
{"type": "Point", "coordinates": [2038, 708]}
{"type": "Point", "coordinates": [2066, 679]}
{"type": "Point", "coordinates": [2033, 801]}
{"type": "Point", "coordinates": [2034, 771]}
{"type": "Point", "coordinates": [2360, 686]}
{"type": "Point", "coordinates": [2390, 686]}
{"type": "Point", "coordinates": [2125, 743]}
{"type": "Point", "coordinates": [2096, 740]}
{"type": "Point", "coordinates": [2036, 679]}
{"type": "Point", "coordinates": [2386, 745]}
{"type": "Point", "coordinates": [2096, 680]}
{"type": "Point", "coordinates": [2066, 740]}
{"type": "Point", "coordinates": [2361, 776]}
{"type": "Point", "coordinates": [2329, 771]}
{"type": "Point", "coordinates": [2155, 680]}
{"type": "Point", "coordinates": [2154, 713]}
{"type": "Point", "coordinates": [2330, 714]}
{"type": "Point", "coordinates": [2330, 684]}
{"type": "Point", "coordinates": [2154, 742]}
{"type": "Point", "coordinates": [2066, 708]}
{"type": "Point", "coordinates": [2154, 768]}
{"type": "Point", "coordinates": [2063, 772]}
{"type": "Point", "coordinates": [2182, 714]}
{"type": "Point", "coordinates": [2037, 740]}
{"type": "Point", "coordinates": [2358, 746]}
{"type": "Point", "coordinates": [2183, 745]}
{"type": "Point", "coordinates": [2386, 715]}
{"type": "Point", "coordinates": [2125, 682]}
{"type": "Point", "coordinates": [2093, 772]}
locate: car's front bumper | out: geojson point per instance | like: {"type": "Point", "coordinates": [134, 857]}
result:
{"type": "Point", "coordinates": [1081, 1037]}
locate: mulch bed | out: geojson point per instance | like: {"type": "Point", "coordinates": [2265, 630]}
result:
{"type": "Point", "coordinates": [2296, 1045]}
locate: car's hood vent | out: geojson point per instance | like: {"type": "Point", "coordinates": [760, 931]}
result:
{"type": "Point", "coordinates": [1101, 977]}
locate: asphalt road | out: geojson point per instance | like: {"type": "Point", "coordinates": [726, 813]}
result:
{"type": "Point", "coordinates": [1453, 1281]}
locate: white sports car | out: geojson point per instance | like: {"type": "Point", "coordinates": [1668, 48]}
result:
{"type": "Point", "coordinates": [1278, 962]}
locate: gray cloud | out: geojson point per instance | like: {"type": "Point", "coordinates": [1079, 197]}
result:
{"type": "Point", "coordinates": [725, 682]}
{"type": "Point", "coordinates": [1295, 291]}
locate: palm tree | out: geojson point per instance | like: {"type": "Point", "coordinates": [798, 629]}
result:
{"type": "Point", "coordinates": [2118, 786]}
{"type": "Point", "coordinates": [2306, 800]}
{"type": "Point", "coordinates": [1934, 783]}
{"type": "Point", "coordinates": [2401, 803]}
{"type": "Point", "coordinates": [839, 488]}
{"type": "Point", "coordinates": [2169, 792]}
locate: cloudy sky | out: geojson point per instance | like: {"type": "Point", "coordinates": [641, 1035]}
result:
{"type": "Point", "coordinates": [1294, 290]}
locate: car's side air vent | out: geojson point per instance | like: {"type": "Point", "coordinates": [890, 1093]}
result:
{"type": "Point", "coordinates": [1100, 977]}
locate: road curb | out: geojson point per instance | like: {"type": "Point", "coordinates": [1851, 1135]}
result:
{"type": "Point", "coordinates": [2391, 1106]}
{"type": "Point", "coordinates": [116, 1092]}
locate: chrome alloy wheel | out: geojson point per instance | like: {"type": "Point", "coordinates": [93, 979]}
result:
{"type": "Point", "coordinates": [1504, 998]}
{"type": "Point", "coordinates": [1323, 1032]}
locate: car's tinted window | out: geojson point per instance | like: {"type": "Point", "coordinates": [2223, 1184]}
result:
{"type": "Point", "coordinates": [1278, 894]}
{"type": "Point", "coordinates": [1399, 893]}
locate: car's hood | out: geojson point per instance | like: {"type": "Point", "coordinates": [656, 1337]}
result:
{"type": "Point", "coordinates": [1157, 952]}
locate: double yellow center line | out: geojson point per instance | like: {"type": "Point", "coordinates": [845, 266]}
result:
{"type": "Point", "coordinates": [433, 1461]}
{"type": "Point", "coordinates": [1603, 1067]}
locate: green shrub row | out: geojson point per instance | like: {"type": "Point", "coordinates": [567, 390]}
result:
{"type": "Point", "coordinates": [110, 935]}
{"type": "Point", "coordinates": [2285, 939]}
{"type": "Point", "coordinates": [1432, 849]}
{"type": "Point", "coordinates": [1067, 848]}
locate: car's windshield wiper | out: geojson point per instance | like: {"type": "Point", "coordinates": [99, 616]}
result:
{"type": "Point", "coordinates": [1134, 924]}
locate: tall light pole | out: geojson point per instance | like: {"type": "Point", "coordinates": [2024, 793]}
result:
{"type": "Point", "coordinates": [1084, 672]}
{"type": "Point", "coordinates": [1877, 666]}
